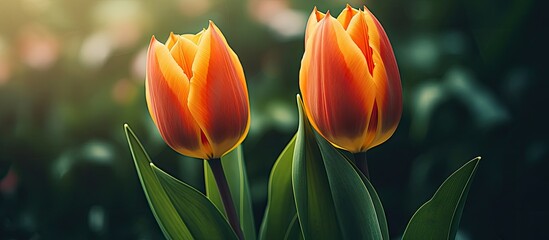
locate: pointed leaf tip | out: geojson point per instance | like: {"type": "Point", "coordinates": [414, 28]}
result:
{"type": "Point", "coordinates": [439, 217]}
{"type": "Point", "coordinates": [129, 132]}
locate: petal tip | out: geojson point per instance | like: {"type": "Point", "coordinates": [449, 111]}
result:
{"type": "Point", "coordinates": [211, 27]}
{"type": "Point", "coordinates": [153, 42]}
{"type": "Point", "coordinates": [365, 9]}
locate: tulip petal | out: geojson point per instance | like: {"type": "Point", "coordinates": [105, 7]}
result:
{"type": "Point", "coordinates": [172, 39]}
{"type": "Point", "coordinates": [382, 131]}
{"type": "Point", "coordinates": [358, 30]}
{"type": "Point", "coordinates": [166, 89]}
{"type": "Point", "coordinates": [314, 18]}
{"type": "Point", "coordinates": [390, 106]}
{"type": "Point", "coordinates": [195, 38]}
{"type": "Point", "coordinates": [346, 15]}
{"type": "Point", "coordinates": [218, 97]}
{"type": "Point", "coordinates": [184, 51]}
{"type": "Point", "coordinates": [337, 88]}
{"type": "Point", "coordinates": [372, 133]}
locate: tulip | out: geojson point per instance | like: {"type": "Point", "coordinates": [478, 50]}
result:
{"type": "Point", "coordinates": [349, 79]}
{"type": "Point", "coordinates": [196, 93]}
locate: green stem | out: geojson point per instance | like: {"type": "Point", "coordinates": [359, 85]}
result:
{"type": "Point", "coordinates": [362, 163]}
{"type": "Point", "coordinates": [228, 204]}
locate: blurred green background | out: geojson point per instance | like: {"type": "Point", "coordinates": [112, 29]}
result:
{"type": "Point", "coordinates": [72, 73]}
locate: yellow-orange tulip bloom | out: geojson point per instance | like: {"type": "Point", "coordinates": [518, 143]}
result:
{"type": "Point", "coordinates": [349, 79]}
{"type": "Point", "coordinates": [196, 93]}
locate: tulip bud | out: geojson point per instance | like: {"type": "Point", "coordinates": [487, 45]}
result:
{"type": "Point", "coordinates": [196, 93]}
{"type": "Point", "coordinates": [349, 79]}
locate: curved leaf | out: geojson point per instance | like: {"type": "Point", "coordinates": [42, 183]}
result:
{"type": "Point", "coordinates": [439, 217]}
{"type": "Point", "coordinates": [202, 218]}
{"type": "Point", "coordinates": [331, 199]}
{"type": "Point", "coordinates": [356, 211]}
{"type": "Point", "coordinates": [280, 219]}
{"type": "Point", "coordinates": [235, 172]}
{"type": "Point", "coordinates": [181, 211]}
{"type": "Point", "coordinates": [170, 222]}
{"type": "Point", "coordinates": [313, 199]}
{"type": "Point", "coordinates": [380, 212]}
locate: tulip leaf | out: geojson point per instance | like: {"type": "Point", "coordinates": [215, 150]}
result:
{"type": "Point", "coordinates": [313, 199]}
{"type": "Point", "coordinates": [380, 212]}
{"type": "Point", "coordinates": [181, 213]}
{"type": "Point", "coordinates": [170, 222]}
{"type": "Point", "coordinates": [235, 172]}
{"type": "Point", "coordinates": [439, 217]}
{"type": "Point", "coordinates": [358, 217]}
{"type": "Point", "coordinates": [331, 198]}
{"type": "Point", "coordinates": [203, 219]}
{"type": "Point", "coordinates": [280, 219]}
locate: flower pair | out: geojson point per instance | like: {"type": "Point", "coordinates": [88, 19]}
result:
{"type": "Point", "coordinates": [197, 96]}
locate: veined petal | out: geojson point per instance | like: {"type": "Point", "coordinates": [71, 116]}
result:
{"type": "Point", "coordinates": [358, 30]}
{"type": "Point", "coordinates": [184, 52]}
{"type": "Point", "coordinates": [314, 18]}
{"type": "Point", "coordinates": [386, 105]}
{"type": "Point", "coordinates": [346, 15]}
{"type": "Point", "coordinates": [378, 132]}
{"type": "Point", "coordinates": [372, 132]}
{"type": "Point", "coordinates": [218, 97]}
{"type": "Point", "coordinates": [338, 91]}
{"type": "Point", "coordinates": [391, 105]}
{"type": "Point", "coordinates": [166, 93]}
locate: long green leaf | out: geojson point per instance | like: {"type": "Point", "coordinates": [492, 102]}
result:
{"type": "Point", "coordinates": [235, 172]}
{"type": "Point", "coordinates": [331, 198]}
{"type": "Point", "coordinates": [181, 211]}
{"type": "Point", "coordinates": [280, 219]}
{"type": "Point", "coordinates": [380, 212]}
{"type": "Point", "coordinates": [313, 199]}
{"type": "Point", "coordinates": [439, 217]}
{"type": "Point", "coordinates": [203, 219]}
{"type": "Point", "coordinates": [356, 211]}
{"type": "Point", "coordinates": [167, 217]}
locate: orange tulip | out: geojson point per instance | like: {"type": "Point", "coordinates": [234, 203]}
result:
{"type": "Point", "coordinates": [349, 79]}
{"type": "Point", "coordinates": [196, 93]}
